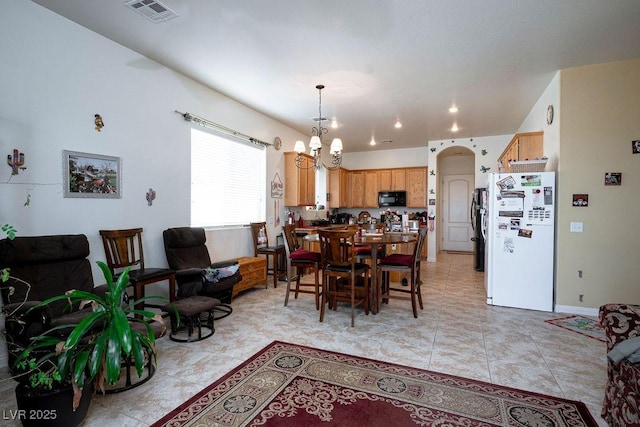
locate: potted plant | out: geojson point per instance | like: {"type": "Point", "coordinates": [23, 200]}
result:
{"type": "Point", "coordinates": [45, 397]}
{"type": "Point", "coordinates": [94, 348]}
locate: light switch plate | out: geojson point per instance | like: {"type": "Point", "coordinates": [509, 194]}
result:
{"type": "Point", "coordinates": [576, 227]}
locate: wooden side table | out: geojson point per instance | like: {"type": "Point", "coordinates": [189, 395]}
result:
{"type": "Point", "coordinates": [254, 273]}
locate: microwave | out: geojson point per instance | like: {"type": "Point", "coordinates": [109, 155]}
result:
{"type": "Point", "coordinates": [392, 198]}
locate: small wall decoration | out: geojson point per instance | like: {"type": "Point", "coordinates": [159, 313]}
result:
{"type": "Point", "coordinates": [277, 187]}
{"type": "Point", "coordinates": [433, 149]}
{"type": "Point", "coordinates": [98, 122]}
{"type": "Point", "coordinates": [16, 162]}
{"type": "Point", "coordinates": [581, 200]}
{"type": "Point", "coordinates": [432, 202]}
{"type": "Point", "coordinates": [484, 169]}
{"type": "Point", "coordinates": [613, 178]}
{"type": "Point", "coordinates": [91, 175]}
{"type": "Point", "coordinates": [635, 146]}
{"type": "Point", "coordinates": [151, 196]}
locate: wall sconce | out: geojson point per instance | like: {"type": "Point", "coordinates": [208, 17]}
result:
{"type": "Point", "coordinates": [16, 162]}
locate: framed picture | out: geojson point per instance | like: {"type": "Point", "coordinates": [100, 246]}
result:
{"type": "Point", "coordinates": [91, 175]}
{"type": "Point", "coordinates": [581, 200]}
{"type": "Point", "coordinates": [613, 178]}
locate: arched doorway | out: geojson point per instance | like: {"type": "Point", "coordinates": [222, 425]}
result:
{"type": "Point", "coordinates": [456, 182]}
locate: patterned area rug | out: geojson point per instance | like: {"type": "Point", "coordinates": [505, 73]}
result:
{"type": "Point", "coordinates": [582, 325]}
{"type": "Point", "coordinates": [291, 385]}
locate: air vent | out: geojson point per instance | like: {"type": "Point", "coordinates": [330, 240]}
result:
{"type": "Point", "coordinates": [386, 141]}
{"type": "Point", "coordinates": [152, 10]}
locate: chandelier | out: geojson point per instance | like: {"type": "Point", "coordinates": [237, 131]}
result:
{"type": "Point", "coordinates": [315, 145]}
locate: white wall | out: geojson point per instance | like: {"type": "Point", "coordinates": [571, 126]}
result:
{"type": "Point", "coordinates": [536, 121]}
{"type": "Point", "coordinates": [54, 76]}
{"type": "Point", "coordinates": [383, 159]}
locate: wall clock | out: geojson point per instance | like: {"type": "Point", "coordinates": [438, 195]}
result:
{"type": "Point", "coordinates": [550, 114]}
{"type": "Point", "coordinates": [277, 143]}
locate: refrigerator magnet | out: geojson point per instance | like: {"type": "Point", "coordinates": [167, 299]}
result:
{"type": "Point", "coordinates": [523, 232]}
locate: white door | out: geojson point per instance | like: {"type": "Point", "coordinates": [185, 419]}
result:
{"type": "Point", "coordinates": [457, 193]}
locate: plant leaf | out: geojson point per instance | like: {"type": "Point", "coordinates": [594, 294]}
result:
{"type": "Point", "coordinates": [113, 356]}
{"type": "Point", "coordinates": [122, 325]}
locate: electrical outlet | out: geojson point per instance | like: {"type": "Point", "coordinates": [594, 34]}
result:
{"type": "Point", "coordinates": [576, 227]}
{"type": "Point", "coordinates": [579, 274]}
{"type": "Point", "coordinates": [393, 246]}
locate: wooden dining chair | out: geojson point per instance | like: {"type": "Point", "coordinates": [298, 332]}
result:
{"type": "Point", "coordinates": [263, 248]}
{"type": "Point", "coordinates": [344, 279]}
{"type": "Point", "coordinates": [405, 264]}
{"type": "Point", "coordinates": [299, 259]}
{"type": "Point", "coordinates": [123, 248]}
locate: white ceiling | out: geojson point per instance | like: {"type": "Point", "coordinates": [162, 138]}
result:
{"type": "Point", "coordinates": [379, 59]}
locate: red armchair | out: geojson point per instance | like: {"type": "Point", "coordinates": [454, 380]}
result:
{"type": "Point", "coordinates": [622, 394]}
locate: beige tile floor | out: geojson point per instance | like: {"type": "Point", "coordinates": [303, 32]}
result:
{"type": "Point", "coordinates": [456, 333]}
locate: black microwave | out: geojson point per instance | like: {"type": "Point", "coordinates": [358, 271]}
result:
{"type": "Point", "coordinates": [392, 198]}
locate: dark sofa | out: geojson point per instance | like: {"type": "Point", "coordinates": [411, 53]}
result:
{"type": "Point", "coordinates": [40, 268]}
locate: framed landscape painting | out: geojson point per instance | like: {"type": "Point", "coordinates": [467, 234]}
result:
{"type": "Point", "coordinates": [91, 175]}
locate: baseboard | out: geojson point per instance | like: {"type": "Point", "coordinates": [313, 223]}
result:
{"type": "Point", "coordinates": [569, 309]}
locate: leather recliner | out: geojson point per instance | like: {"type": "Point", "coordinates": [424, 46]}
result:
{"type": "Point", "coordinates": [188, 255]}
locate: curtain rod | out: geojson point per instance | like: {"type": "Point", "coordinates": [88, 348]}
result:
{"type": "Point", "coordinates": [208, 123]}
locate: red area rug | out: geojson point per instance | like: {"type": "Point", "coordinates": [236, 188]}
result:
{"type": "Point", "coordinates": [291, 385]}
{"type": "Point", "coordinates": [582, 325]}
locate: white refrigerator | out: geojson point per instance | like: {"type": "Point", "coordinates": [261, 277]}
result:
{"type": "Point", "coordinates": [519, 225]}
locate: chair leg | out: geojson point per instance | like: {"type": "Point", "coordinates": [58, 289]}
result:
{"type": "Point", "coordinates": [289, 278]}
{"type": "Point", "coordinates": [317, 288]}
{"type": "Point", "coordinates": [323, 304]}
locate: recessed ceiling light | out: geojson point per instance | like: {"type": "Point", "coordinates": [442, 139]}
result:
{"type": "Point", "coordinates": [454, 128]}
{"type": "Point", "coordinates": [335, 124]}
{"type": "Point", "coordinates": [398, 125]}
{"type": "Point", "coordinates": [453, 109]}
{"type": "Point", "coordinates": [372, 142]}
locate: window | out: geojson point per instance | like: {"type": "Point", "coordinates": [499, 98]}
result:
{"type": "Point", "coordinates": [227, 181]}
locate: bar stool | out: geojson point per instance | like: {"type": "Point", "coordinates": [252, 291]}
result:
{"type": "Point", "coordinates": [263, 248]}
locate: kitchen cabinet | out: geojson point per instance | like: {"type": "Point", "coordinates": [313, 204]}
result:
{"type": "Point", "coordinates": [299, 184]}
{"type": "Point", "coordinates": [416, 180]}
{"type": "Point", "coordinates": [523, 146]}
{"type": "Point", "coordinates": [356, 184]}
{"type": "Point", "coordinates": [338, 188]}
{"type": "Point", "coordinates": [371, 189]}
{"type": "Point", "coordinates": [391, 179]}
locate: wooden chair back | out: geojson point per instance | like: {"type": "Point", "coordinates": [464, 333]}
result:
{"type": "Point", "coordinates": [123, 248]}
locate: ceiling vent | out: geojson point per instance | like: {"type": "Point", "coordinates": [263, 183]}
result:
{"type": "Point", "coordinates": [386, 141]}
{"type": "Point", "coordinates": [152, 10]}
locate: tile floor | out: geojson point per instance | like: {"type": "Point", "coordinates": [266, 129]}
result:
{"type": "Point", "coordinates": [456, 333]}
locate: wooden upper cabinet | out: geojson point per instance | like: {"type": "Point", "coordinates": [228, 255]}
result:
{"type": "Point", "coordinates": [299, 184]}
{"type": "Point", "coordinates": [356, 199]}
{"type": "Point", "coordinates": [530, 146]}
{"type": "Point", "coordinates": [338, 188]}
{"type": "Point", "coordinates": [391, 179]}
{"type": "Point", "coordinates": [523, 146]}
{"type": "Point", "coordinates": [416, 187]}
{"type": "Point", "coordinates": [398, 179]}
{"type": "Point", "coordinates": [371, 189]}
{"type": "Point", "coordinates": [384, 179]}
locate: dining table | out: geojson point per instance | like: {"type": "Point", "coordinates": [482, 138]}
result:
{"type": "Point", "coordinates": [375, 241]}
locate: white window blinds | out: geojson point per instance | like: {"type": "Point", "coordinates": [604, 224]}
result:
{"type": "Point", "coordinates": [228, 181]}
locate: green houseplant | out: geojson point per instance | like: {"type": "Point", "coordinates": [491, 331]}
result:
{"type": "Point", "coordinates": [95, 347]}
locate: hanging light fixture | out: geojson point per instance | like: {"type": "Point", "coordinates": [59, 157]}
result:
{"type": "Point", "coordinates": [315, 145]}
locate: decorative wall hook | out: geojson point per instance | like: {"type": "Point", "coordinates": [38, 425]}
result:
{"type": "Point", "coordinates": [98, 122]}
{"type": "Point", "coordinates": [151, 195]}
{"type": "Point", "coordinates": [16, 162]}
